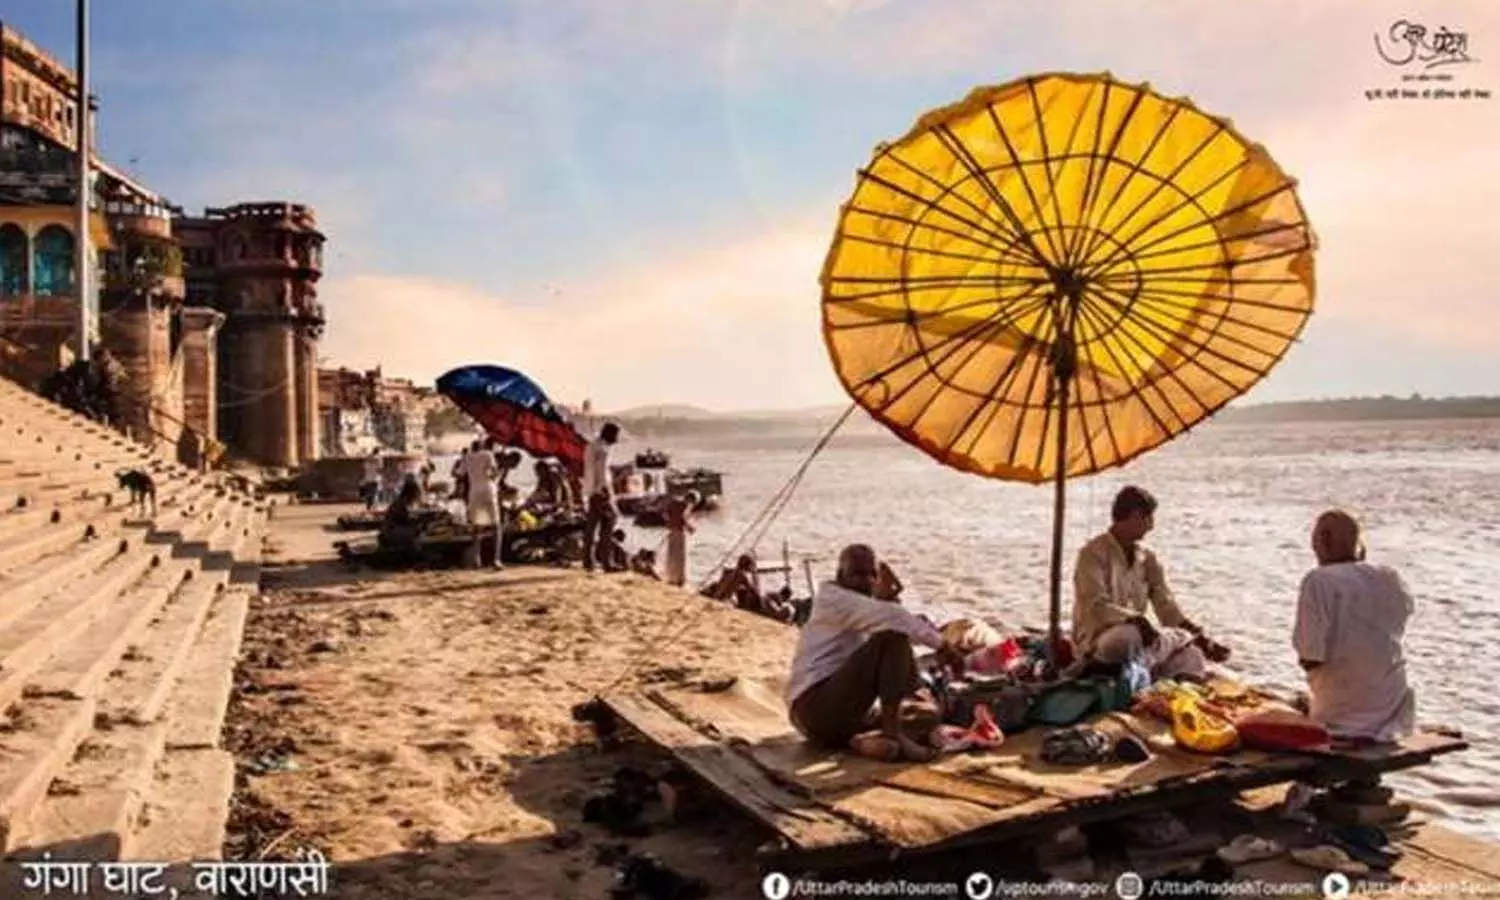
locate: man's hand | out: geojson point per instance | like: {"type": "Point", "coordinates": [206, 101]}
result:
{"type": "Point", "coordinates": [1149, 635]}
{"type": "Point", "coordinates": [887, 585]}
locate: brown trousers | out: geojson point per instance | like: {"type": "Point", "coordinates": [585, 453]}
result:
{"type": "Point", "coordinates": [883, 670]}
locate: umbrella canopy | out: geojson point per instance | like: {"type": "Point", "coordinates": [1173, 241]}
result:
{"type": "Point", "coordinates": [1058, 274]}
{"type": "Point", "coordinates": [514, 411]}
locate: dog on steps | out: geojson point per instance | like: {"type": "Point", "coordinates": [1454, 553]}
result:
{"type": "Point", "coordinates": [142, 488]}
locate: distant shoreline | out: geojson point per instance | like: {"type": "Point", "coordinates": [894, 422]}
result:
{"type": "Point", "coordinates": [691, 420]}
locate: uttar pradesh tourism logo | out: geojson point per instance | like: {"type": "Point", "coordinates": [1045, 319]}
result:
{"type": "Point", "coordinates": [1428, 59]}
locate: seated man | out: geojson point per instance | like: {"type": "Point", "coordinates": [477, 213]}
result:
{"type": "Point", "coordinates": [1116, 579]}
{"type": "Point", "coordinates": [856, 651]}
{"type": "Point", "coordinates": [1351, 618]}
{"type": "Point", "coordinates": [739, 585]}
{"type": "Point", "coordinates": [403, 519]}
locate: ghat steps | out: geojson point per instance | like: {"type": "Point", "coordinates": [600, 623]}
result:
{"type": "Point", "coordinates": [119, 630]}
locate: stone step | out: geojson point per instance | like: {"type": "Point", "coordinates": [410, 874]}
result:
{"type": "Point", "coordinates": [41, 516]}
{"type": "Point", "coordinates": [21, 549]}
{"type": "Point", "coordinates": [36, 635]}
{"type": "Point", "coordinates": [45, 741]}
{"type": "Point", "coordinates": [24, 443]}
{"type": "Point", "coordinates": [77, 671]}
{"type": "Point", "coordinates": [187, 811]}
{"type": "Point", "coordinates": [20, 587]}
{"type": "Point", "coordinates": [138, 692]}
{"type": "Point", "coordinates": [93, 652]}
{"type": "Point", "coordinates": [96, 801]}
{"type": "Point", "coordinates": [195, 714]}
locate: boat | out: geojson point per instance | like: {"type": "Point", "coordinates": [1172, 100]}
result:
{"type": "Point", "coordinates": [643, 495]}
{"type": "Point", "coordinates": [651, 458]}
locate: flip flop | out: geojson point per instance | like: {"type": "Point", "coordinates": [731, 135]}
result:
{"type": "Point", "coordinates": [1248, 848]}
{"type": "Point", "coordinates": [1328, 858]}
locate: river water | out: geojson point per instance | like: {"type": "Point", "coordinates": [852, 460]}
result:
{"type": "Point", "coordinates": [1236, 505]}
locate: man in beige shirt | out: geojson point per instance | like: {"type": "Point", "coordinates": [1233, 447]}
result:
{"type": "Point", "coordinates": [1116, 581]}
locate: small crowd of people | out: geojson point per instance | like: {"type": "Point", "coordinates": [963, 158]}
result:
{"type": "Point", "coordinates": [480, 485]}
{"type": "Point", "coordinates": [855, 678]}
{"type": "Point", "coordinates": [89, 387]}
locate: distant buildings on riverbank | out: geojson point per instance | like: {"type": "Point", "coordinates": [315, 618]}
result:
{"type": "Point", "coordinates": [215, 318]}
{"type": "Point", "coordinates": [365, 411]}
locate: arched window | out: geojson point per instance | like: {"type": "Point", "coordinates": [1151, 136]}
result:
{"type": "Point", "coordinates": [54, 261]}
{"type": "Point", "coordinates": [12, 260]}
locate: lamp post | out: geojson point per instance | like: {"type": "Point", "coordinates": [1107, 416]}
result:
{"type": "Point", "coordinates": [82, 267]}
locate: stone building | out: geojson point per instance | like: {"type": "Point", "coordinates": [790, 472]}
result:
{"type": "Point", "coordinates": [367, 410]}
{"type": "Point", "coordinates": [214, 318]}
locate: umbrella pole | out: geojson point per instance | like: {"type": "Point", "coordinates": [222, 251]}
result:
{"type": "Point", "coordinates": [1064, 366]}
{"type": "Point", "coordinates": [1059, 504]}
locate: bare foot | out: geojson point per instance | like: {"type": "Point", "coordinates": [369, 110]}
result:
{"type": "Point", "coordinates": [912, 751]}
{"type": "Point", "coordinates": [876, 746]}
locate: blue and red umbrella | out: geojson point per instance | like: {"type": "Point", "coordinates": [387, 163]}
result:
{"type": "Point", "coordinates": [515, 411]}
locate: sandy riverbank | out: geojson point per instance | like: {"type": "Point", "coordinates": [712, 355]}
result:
{"type": "Point", "coordinates": [428, 719]}
{"type": "Point", "coordinates": [416, 728]}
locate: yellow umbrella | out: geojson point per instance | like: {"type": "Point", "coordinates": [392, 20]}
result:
{"type": "Point", "coordinates": [1056, 275]}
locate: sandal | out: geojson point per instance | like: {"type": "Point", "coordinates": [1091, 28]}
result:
{"type": "Point", "coordinates": [1330, 859]}
{"type": "Point", "coordinates": [1248, 848]}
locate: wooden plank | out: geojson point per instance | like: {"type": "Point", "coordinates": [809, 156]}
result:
{"type": "Point", "coordinates": [803, 823]}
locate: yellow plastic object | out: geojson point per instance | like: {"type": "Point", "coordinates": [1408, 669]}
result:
{"type": "Point", "coordinates": [1170, 253]}
{"type": "Point", "coordinates": [1200, 730]}
{"type": "Point", "coordinates": [527, 521]}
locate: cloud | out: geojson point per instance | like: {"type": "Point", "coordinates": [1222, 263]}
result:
{"type": "Point", "coordinates": [732, 327]}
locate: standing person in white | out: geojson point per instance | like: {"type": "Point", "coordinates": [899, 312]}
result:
{"type": "Point", "coordinates": [599, 523]}
{"type": "Point", "coordinates": [1351, 619]}
{"type": "Point", "coordinates": [483, 508]}
{"type": "Point", "coordinates": [679, 526]}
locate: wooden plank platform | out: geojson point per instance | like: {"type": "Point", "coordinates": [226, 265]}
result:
{"type": "Point", "coordinates": [835, 809]}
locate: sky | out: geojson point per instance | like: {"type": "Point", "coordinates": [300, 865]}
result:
{"type": "Point", "coordinates": [631, 200]}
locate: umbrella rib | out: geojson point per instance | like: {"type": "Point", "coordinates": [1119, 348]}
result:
{"type": "Point", "coordinates": [982, 325]}
{"type": "Point", "coordinates": [978, 346]}
{"type": "Point", "coordinates": [993, 399]}
{"type": "Point", "coordinates": [957, 336]}
{"type": "Point", "coordinates": [910, 318]}
{"type": "Point", "coordinates": [1149, 298]}
{"type": "Point", "coordinates": [936, 207]}
{"type": "Point", "coordinates": [1096, 318]}
{"type": "Point", "coordinates": [1041, 130]}
{"type": "Point", "coordinates": [902, 290]}
{"type": "Point", "coordinates": [1140, 393]}
{"type": "Point", "coordinates": [1194, 295]}
{"type": "Point", "coordinates": [927, 251]}
{"type": "Point", "coordinates": [1137, 167]}
{"type": "Point", "coordinates": [918, 223]}
{"type": "Point", "coordinates": [1067, 156]}
{"type": "Point", "coordinates": [933, 279]}
{"type": "Point", "coordinates": [961, 155]}
{"type": "Point", "coordinates": [951, 190]}
{"type": "Point", "coordinates": [1015, 441]}
{"type": "Point", "coordinates": [1166, 336]}
{"type": "Point", "coordinates": [1228, 264]}
{"type": "Point", "coordinates": [975, 171]}
{"type": "Point", "coordinates": [1025, 182]}
{"type": "Point", "coordinates": [1232, 239]}
{"type": "Point", "coordinates": [1222, 316]}
{"type": "Point", "coordinates": [1201, 279]}
{"type": "Point", "coordinates": [1075, 251]}
{"type": "Point", "coordinates": [1186, 201]}
{"type": "Point", "coordinates": [1209, 220]}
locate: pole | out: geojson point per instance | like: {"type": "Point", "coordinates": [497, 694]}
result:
{"type": "Point", "coordinates": [1064, 366]}
{"type": "Point", "coordinates": [82, 265]}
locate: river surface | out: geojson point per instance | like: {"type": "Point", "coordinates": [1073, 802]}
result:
{"type": "Point", "coordinates": [1236, 506]}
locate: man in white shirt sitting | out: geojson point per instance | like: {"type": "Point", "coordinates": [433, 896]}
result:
{"type": "Point", "coordinates": [1351, 619]}
{"type": "Point", "coordinates": [1115, 581]}
{"type": "Point", "coordinates": [854, 651]}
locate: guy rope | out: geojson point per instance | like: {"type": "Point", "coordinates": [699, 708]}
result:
{"type": "Point", "coordinates": [758, 528]}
